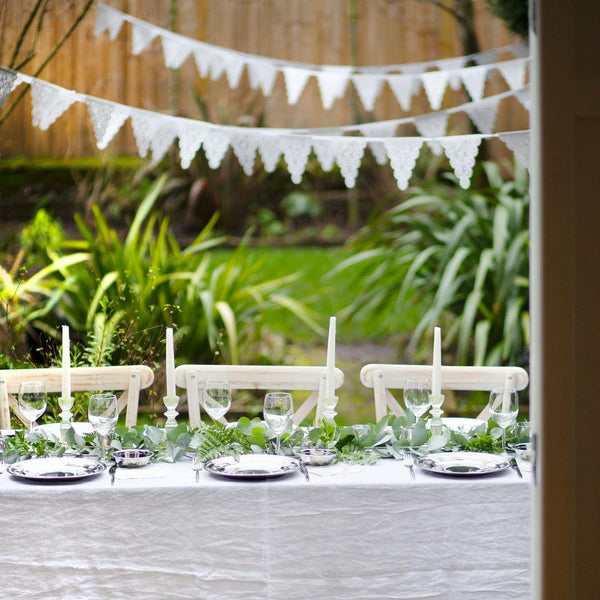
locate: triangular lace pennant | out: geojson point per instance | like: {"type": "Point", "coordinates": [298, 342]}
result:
{"type": "Point", "coordinates": [435, 83]}
{"type": "Point", "coordinates": [518, 143]}
{"type": "Point", "coordinates": [8, 82]}
{"type": "Point", "coordinates": [348, 155]}
{"type": "Point", "coordinates": [474, 79]}
{"type": "Point", "coordinates": [165, 132]}
{"type": "Point", "coordinates": [141, 37]}
{"type": "Point", "coordinates": [295, 152]}
{"type": "Point", "coordinates": [324, 151]}
{"type": "Point", "coordinates": [215, 146]}
{"type": "Point", "coordinates": [107, 119]}
{"type": "Point", "coordinates": [175, 51]}
{"type": "Point", "coordinates": [143, 126]}
{"type": "Point", "coordinates": [523, 97]}
{"type": "Point", "coordinates": [368, 88]}
{"type": "Point", "coordinates": [483, 114]}
{"type": "Point", "coordinates": [461, 151]}
{"type": "Point", "coordinates": [216, 65]}
{"type": "Point", "coordinates": [403, 87]}
{"type": "Point", "coordinates": [513, 72]}
{"type": "Point", "coordinates": [520, 50]}
{"type": "Point", "coordinates": [332, 84]}
{"type": "Point", "coordinates": [107, 20]}
{"type": "Point", "coordinates": [234, 67]}
{"type": "Point", "coordinates": [403, 154]}
{"type": "Point", "coordinates": [261, 74]}
{"type": "Point", "coordinates": [295, 81]}
{"type": "Point", "coordinates": [452, 65]}
{"type": "Point", "coordinates": [433, 126]}
{"type": "Point", "coordinates": [48, 102]}
{"type": "Point", "coordinates": [244, 146]}
{"type": "Point", "coordinates": [191, 135]}
{"type": "Point", "coordinates": [487, 57]}
{"type": "Point", "coordinates": [202, 59]}
{"type": "Point", "coordinates": [383, 129]}
{"type": "Point", "coordinates": [269, 148]}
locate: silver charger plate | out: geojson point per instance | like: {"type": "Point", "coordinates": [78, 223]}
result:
{"type": "Point", "coordinates": [56, 469]}
{"type": "Point", "coordinates": [252, 466]}
{"type": "Point", "coordinates": [463, 463]}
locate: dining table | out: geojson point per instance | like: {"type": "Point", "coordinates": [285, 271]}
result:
{"type": "Point", "coordinates": [349, 532]}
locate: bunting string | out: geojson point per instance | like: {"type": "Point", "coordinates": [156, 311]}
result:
{"type": "Point", "coordinates": [155, 132]}
{"type": "Point", "coordinates": [404, 80]}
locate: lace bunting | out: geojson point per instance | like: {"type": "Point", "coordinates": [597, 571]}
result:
{"type": "Point", "coordinates": [48, 102]}
{"type": "Point", "coordinates": [461, 151]}
{"type": "Point", "coordinates": [107, 119]}
{"type": "Point", "coordinates": [8, 82]}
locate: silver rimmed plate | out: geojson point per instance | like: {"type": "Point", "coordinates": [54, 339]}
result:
{"type": "Point", "coordinates": [56, 469]}
{"type": "Point", "coordinates": [252, 466]}
{"type": "Point", "coordinates": [463, 463]}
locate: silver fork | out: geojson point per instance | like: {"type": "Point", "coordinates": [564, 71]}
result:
{"type": "Point", "coordinates": [196, 467]}
{"type": "Point", "coordinates": [409, 462]}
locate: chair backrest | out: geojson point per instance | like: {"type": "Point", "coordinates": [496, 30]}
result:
{"type": "Point", "coordinates": [257, 377]}
{"type": "Point", "coordinates": [127, 379]}
{"type": "Point", "coordinates": [382, 378]}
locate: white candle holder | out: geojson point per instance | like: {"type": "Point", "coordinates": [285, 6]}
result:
{"type": "Point", "coordinates": [66, 404]}
{"type": "Point", "coordinates": [436, 425]}
{"type": "Point", "coordinates": [171, 413]}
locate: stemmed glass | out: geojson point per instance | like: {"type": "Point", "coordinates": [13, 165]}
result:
{"type": "Point", "coordinates": [504, 408]}
{"type": "Point", "coordinates": [216, 398]}
{"type": "Point", "coordinates": [103, 413]}
{"type": "Point", "coordinates": [33, 400]}
{"type": "Point", "coordinates": [278, 412]}
{"type": "Point", "coordinates": [416, 396]}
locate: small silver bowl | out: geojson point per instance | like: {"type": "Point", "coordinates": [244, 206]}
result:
{"type": "Point", "coordinates": [132, 458]}
{"type": "Point", "coordinates": [317, 457]}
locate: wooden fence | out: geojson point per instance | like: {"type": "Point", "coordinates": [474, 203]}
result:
{"type": "Point", "coordinates": [311, 31]}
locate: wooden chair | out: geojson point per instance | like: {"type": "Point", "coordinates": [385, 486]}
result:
{"type": "Point", "coordinates": [128, 380]}
{"type": "Point", "coordinates": [382, 378]}
{"type": "Point", "coordinates": [257, 377]}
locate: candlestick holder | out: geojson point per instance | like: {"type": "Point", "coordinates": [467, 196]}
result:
{"type": "Point", "coordinates": [171, 413]}
{"type": "Point", "coordinates": [436, 425]}
{"type": "Point", "coordinates": [66, 404]}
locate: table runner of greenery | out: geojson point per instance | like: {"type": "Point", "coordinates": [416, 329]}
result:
{"type": "Point", "coordinates": [383, 439]}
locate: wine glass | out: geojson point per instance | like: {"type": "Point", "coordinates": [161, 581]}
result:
{"type": "Point", "coordinates": [278, 412]}
{"type": "Point", "coordinates": [216, 398]}
{"type": "Point", "coordinates": [32, 400]}
{"type": "Point", "coordinates": [416, 396]}
{"type": "Point", "coordinates": [504, 408]}
{"type": "Point", "coordinates": [103, 413]}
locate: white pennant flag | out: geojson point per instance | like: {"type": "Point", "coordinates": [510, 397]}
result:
{"type": "Point", "coordinates": [165, 132]}
{"type": "Point", "coordinates": [324, 151]}
{"type": "Point", "coordinates": [244, 146]}
{"type": "Point", "coordinates": [141, 37]}
{"type": "Point", "coordinates": [520, 50]}
{"type": "Point", "coordinates": [143, 125]}
{"type": "Point", "coordinates": [513, 72]}
{"type": "Point", "coordinates": [433, 126]}
{"type": "Point", "coordinates": [332, 84]}
{"type": "Point", "coordinates": [368, 88]}
{"type": "Point", "coordinates": [295, 81]}
{"type": "Point", "coordinates": [348, 155]}
{"type": "Point", "coordinates": [202, 59]}
{"type": "Point", "coordinates": [107, 20]}
{"type": "Point", "coordinates": [403, 87]}
{"type": "Point", "coordinates": [261, 74]}
{"type": "Point", "coordinates": [48, 102]}
{"type": "Point", "coordinates": [8, 82]}
{"type": "Point", "coordinates": [474, 79]}
{"type": "Point", "coordinates": [175, 51]}
{"type": "Point", "coordinates": [483, 114]}
{"type": "Point", "coordinates": [518, 143]}
{"type": "Point", "coordinates": [461, 151]}
{"type": "Point", "coordinates": [269, 147]}
{"type": "Point", "coordinates": [523, 97]}
{"type": "Point", "coordinates": [383, 129]}
{"type": "Point", "coordinates": [295, 152]}
{"type": "Point", "coordinates": [403, 154]}
{"type": "Point", "coordinates": [452, 65]}
{"type": "Point", "coordinates": [216, 145]}
{"type": "Point", "coordinates": [435, 83]}
{"type": "Point", "coordinates": [487, 57]}
{"type": "Point", "coordinates": [234, 66]}
{"type": "Point", "coordinates": [107, 119]}
{"type": "Point", "coordinates": [191, 134]}
{"type": "Point", "coordinates": [216, 64]}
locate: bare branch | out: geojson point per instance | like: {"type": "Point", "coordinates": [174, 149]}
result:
{"type": "Point", "coordinates": [23, 34]}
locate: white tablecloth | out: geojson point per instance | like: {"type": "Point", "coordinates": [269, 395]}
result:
{"type": "Point", "coordinates": [367, 532]}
